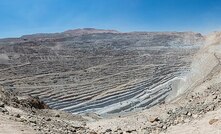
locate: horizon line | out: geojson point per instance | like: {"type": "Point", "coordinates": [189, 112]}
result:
{"type": "Point", "coordinates": [124, 31]}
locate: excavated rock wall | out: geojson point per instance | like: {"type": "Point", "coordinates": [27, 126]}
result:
{"type": "Point", "coordinates": [98, 72]}
{"type": "Point", "coordinates": [204, 67]}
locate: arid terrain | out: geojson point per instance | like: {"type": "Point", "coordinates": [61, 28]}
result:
{"type": "Point", "coordinates": [104, 81]}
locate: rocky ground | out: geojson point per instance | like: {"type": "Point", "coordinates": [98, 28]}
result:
{"type": "Point", "coordinates": [28, 115]}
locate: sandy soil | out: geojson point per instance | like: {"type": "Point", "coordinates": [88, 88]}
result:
{"type": "Point", "coordinates": [8, 126]}
{"type": "Point", "coordinates": [200, 126]}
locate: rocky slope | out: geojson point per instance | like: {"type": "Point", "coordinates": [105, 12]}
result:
{"type": "Point", "coordinates": [28, 115]}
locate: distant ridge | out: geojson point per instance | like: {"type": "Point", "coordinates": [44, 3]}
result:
{"type": "Point", "coordinates": [89, 31]}
{"type": "Point", "coordinates": [68, 33]}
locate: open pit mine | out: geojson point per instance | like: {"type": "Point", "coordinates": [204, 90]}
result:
{"type": "Point", "coordinates": [98, 71]}
{"type": "Point", "coordinates": [93, 81]}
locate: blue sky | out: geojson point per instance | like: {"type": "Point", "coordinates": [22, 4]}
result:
{"type": "Point", "coordinates": [19, 17]}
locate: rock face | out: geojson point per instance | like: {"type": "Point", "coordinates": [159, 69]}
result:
{"type": "Point", "coordinates": [99, 71]}
{"type": "Point", "coordinates": [13, 99]}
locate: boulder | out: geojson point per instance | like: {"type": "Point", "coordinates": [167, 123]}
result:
{"type": "Point", "coordinates": [212, 121]}
{"type": "Point", "coordinates": [153, 119]}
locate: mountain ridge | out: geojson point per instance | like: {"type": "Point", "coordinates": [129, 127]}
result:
{"type": "Point", "coordinates": [85, 31]}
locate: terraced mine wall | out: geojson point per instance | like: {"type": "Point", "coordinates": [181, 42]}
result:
{"type": "Point", "coordinates": [104, 73]}
{"type": "Point", "coordinates": [205, 66]}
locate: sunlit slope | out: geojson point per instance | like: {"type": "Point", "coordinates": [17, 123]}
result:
{"type": "Point", "coordinates": [205, 68]}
